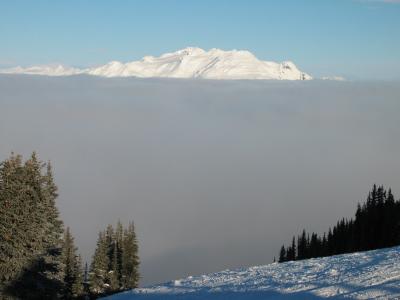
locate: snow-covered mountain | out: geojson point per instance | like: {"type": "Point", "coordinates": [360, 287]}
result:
{"type": "Point", "coordinates": [190, 62]}
{"type": "Point", "coordinates": [50, 70]}
{"type": "Point", "coordinates": [364, 275]}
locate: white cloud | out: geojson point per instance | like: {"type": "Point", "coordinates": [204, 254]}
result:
{"type": "Point", "coordinates": [335, 78]}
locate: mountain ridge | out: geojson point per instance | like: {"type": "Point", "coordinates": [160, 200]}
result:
{"type": "Point", "coordinates": [190, 62]}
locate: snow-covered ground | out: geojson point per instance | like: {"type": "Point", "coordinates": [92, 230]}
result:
{"type": "Point", "coordinates": [190, 62]}
{"type": "Point", "coordinates": [364, 275]}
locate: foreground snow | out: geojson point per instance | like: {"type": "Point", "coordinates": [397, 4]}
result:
{"type": "Point", "coordinates": [364, 275]}
{"type": "Point", "coordinates": [190, 62]}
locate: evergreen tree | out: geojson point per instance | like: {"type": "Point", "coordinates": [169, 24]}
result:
{"type": "Point", "coordinates": [53, 235]}
{"type": "Point", "coordinates": [293, 253]}
{"type": "Point", "coordinates": [324, 246]}
{"type": "Point", "coordinates": [391, 226]}
{"type": "Point", "coordinates": [119, 237]}
{"type": "Point", "coordinates": [115, 264]}
{"type": "Point", "coordinates": [14, 254]}
{"type": "Point", "coordinates": [302, 246]}
{"type": "Point", "coordinates": [86, 290]}
{"type": "Point", "coordinates": [30, 231]}
{"type": "Point", "coordinates": [72, 268]}
{"type": "Point", "coordinates": [99, 267]}
{"type": "Point", "coordinates": [113, 273]}
{"type": "Point", "coordinates": [130, 259]}
{"type": "Point", "coordinates": [109, 240]}
{"type": "Point", "coordinates": [330, 242]}
{"type": "Point", "coordinates": [289, 253]}
{"type": "Point", "coordinates": [282, 254]}
{"type": "Point", "coordinates": [78, 287]}
{"type": "Point", "coordinates": [314, 245]}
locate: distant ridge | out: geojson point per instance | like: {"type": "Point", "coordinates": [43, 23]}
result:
{"type": "Point", "coordinates": [190, 62]}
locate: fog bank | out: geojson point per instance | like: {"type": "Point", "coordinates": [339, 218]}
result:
{"type": "Point", "coordinates": [215, 174]}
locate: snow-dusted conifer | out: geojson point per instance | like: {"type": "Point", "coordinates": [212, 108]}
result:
{"type": "Point", "coordinates": [30, 259]}
{"type": "Point", "coordinates": [72, 268]}
{"type": "Point", "coordinates": [130, 259]}
{"type": "Point", "coordinates": [99, 267]}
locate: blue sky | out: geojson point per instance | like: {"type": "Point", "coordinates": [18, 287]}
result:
{"type": "Point", "coordinates": [357, 39]}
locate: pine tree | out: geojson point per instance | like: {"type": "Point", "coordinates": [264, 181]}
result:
{"type": "Point", "coordinates": [130, 259]}
{"type": "Point", "coordinates": [282, 254]}
{"type": "Point", "coordinates": [72, 268]}
{"type": "Point", "coordinates": [115, 264]}
{"type": "Point", "coordinates": [324, 246]}
{"type": "Point", "coordinates": [302, 246]}
{"type": "Point", "coordinates": [78, 287]}
{"type": "Point", "coordinates": [113, 273]}
{"type": "Point", "coordinates": [86, 290]}
{"type": "Point", "coordinates": [314, 245]}
{"type": "Point", "coordinates": [30, 231]}
{"type": "Point", "coordinates": [293, 250]}
{"type": "Point", "coordinates": [99, 267]}
{"type": "Point", "coordinates": [13, 218]}
{"type": "Point", "coordinates": [289, 253]}
{"type": "Point", "coordinates": [391, 230]}
{"type": "Point", "coordinates": [53, 235]}
{"type": "Point", "coordinates": [119, 237]}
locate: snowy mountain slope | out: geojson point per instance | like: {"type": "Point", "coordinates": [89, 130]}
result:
{"type": "Point", "coordinates": [365, 275]}
{"type": "Point", "coordinates": [190, 62]}
{"type": "Point", "coordinates": [50, 70]}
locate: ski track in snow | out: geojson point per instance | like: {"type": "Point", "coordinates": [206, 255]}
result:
{"type": "Point", "coordinates": [364, 275]}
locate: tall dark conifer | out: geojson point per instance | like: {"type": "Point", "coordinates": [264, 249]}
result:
{"type": "Point", "coordinates": [100, 266]}
{"type": "Point", "coordinates": [130, 259]}
{"type": "Point", "coordinates": [15, 233]}
{"type": "Point", "coordinates": [282, 254]}
{"type": "Point", "coordinates": [73, 278]}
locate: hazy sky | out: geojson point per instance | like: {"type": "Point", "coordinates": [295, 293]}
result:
{"type": "Point", "coordinates": [215, 174]}
{"type": "Point", "coordinates": [357, 39]}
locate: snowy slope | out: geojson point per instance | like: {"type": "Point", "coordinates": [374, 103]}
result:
{"type": "Point", "coordinates": [364, 275]}
{"type": "Point", "coordinates": [190, 62]}
{"type": "Point", "coordinates": [50, 70]}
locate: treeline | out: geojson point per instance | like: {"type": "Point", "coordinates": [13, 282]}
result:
{"type": "Point", "coordinates": [38, 258]}
{"type": "Point", "coordinates": [376, 225]}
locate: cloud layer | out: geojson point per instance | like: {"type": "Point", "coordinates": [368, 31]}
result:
{"type": "Point", "coordinates": [215, 174]}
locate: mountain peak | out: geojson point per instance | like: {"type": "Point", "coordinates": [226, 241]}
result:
{"type": "Point", "coordinates": [190, 62]}
{"type": "Point", "coordinates": [191, 51]}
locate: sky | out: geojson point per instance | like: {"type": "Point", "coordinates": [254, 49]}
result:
{"type": "Point", "coordinates": [356, 39]}
{"type": "Point", "coordinates": [215, 174]}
